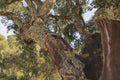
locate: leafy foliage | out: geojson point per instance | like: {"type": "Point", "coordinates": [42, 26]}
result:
{"type": "Point", "coordinates": [21, 62]}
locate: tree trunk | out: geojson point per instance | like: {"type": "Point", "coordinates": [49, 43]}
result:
{"type": "Point", "coordinates": [110, 34]}
{"type": "Point", "coordinates": [63, 57]}
{"type": "Point", "coordinates": [93, 63]}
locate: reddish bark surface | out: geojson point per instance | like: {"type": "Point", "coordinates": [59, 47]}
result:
{"type": "Point", "coordinates": [110, 34]}
{"type": "Point", "coordinates": [63, 57]}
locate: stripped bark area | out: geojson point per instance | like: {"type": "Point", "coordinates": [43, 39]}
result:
{"type": "Point", "coordinates": [63, 56]}
{"type": "Point", "coordinates": [110, 34]}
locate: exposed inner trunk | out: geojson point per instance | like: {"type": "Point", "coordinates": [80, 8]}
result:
{"type": "Point", "coordinates": [110, 34]}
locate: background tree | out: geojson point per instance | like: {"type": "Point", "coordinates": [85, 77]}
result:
{"type": "Point", "coordinates": [24, 62]}
{"type": "Point", "coordinates": [3, 47]}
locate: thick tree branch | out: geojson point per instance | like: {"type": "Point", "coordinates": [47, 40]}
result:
{"type": "Point", "coordinates": [12, 1]}
{"type": "Point", "coordinates": [63, 57]}
{"type": "Point", "coordinates": [32, 9]}
{"type": "Point", "coordinates": [61, 17]}
{"type": "Point", "coordinates": [12, 16]}
{"type": "Point", "coordinates": [81, 23]}
{"type": "Point", "coordinates": [46, 7]}
{"type": "Point", "coordinates": [8, 2]}
{"type": "Point", "coordinates": [39, 5]}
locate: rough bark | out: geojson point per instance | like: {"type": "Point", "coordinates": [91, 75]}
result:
{"type": "Point", "coordinates": [110, 33]}
{"type": "Point", "coordinates": [63, 57]}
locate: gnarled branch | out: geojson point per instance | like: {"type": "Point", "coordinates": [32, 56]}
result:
{"type": "Point", "coordinates": [39, 5]}
{"type": "Point", "coordinates": [32, 9]}
{"type": "Point", "coordinates": [12, 16]}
